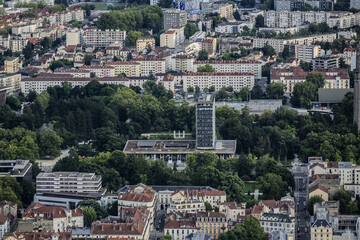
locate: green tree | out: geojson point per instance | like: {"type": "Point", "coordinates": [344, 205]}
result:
{"type": "Point", "coordinates": [57, 8]}
{"type": "Point", "coordinates": [88, 59]}
{"type": "Point", "coordinates": [131, 38]}
{"type": "Point", "coordinates": [89, 215]}
{"type": "Point", "coordinates": [13, 102]}
{"type": "Point", "coordinates": [28, 50]}
{"type": "Point", "coordinates": [234, 188]}
{"type": "Point", "coordinates": [208, 206]}
{"type": "Point", "coordinates": [268, 50]}
{"type": "Point", "coordinates": [100, 212]}
{"type": "Point", "coordinates": [344, 197]}
{"type": "Point", "coordinates": [275, 90]}
{"type": "Point", "coordinates": [257, 92]}
{"type": "Point", "coordinates": [303, 94]}
{"type": "Point", "coordinates": [286, 52]}
{"type": "Point", "coordinates": [166, 236]}
{"type": "Point", "coordinates": [203, 55]}
{"type": "Point", "coordinates": [190, 89]}
{"type": "Point", "coordinates": [317, 79]}
{"type": "Point", "coordinates": [272, 186]}
{"type": "Point", "coordinates": [46, 42]}
{"type": "Point", "coordinates": [49, 144]}
{"type": "Point", "coordinates": [206, 68]}
{"type": "Point", "coordinates": [311, 202]}
{"type": "Point", "coordinates": [259, 21]}
{"type": "Point", "coordinates": [190, 29]}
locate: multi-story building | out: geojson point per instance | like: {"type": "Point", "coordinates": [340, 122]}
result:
{"type": "Point", "coordinates": [4, 225]}
{"type": "Point", "coordinates": [68, 182]}
{"type": "Point", "coordinates": [273, 222]}
{"type": "Point", "coordinates": [205, 122]}
{"type": "Point", "coordinates": [355, 4]}
{"type": "Point", "coordinates": [151, 65]}
{"type": "Point", "coordinates": [102, 38]}
{"type": "Point", "coordinates": [37, 235]}
{"type": "Point", "coordinates": [334, 78]}
{"type": "Point", "coordinates": [305, 52]}
{"type": "Point", "coordinates": [319, 190]}
{"type": "Point", "coordinates": [232, 27]}
{"type": "Point", "coordinates": [211, 223]}
{"type": "Point", "coordinates": [130, 69]}
{"type": "Point", "coordinates": [182, 63]}
{"type": "Point", "coordinates": [277, 44]}
{"type": "Point", "coordinates": [349, 53]}
{"type": "Point", "coordinates": [179, 230]}
{"type": "Point", "coordinates": [11, 65]}
{"type": "Point", "coordinates": [203, 80]}
{"type": "Point", "coordinates": [132, 221]}
{"type": "Point", "coordinates": [326, 62]}
{"type": "Point", "coordinates": [145, 42]}
{"type": "Point", "coordinates": [209, 45]}
{"type": "Point", "coordinates": [168, 39]}
{"type": "Point", "coordinates": [77, 73]}
{"type": "Point", "coordinates": [321, 226]}
{"type": "Point", "coordinates": [17, 44]}
{"type": "Point", "coordinates": [232, 210]}
{"type": "Point", "coordinates": [174, 17]}
{"type": "Point", "coordinates": [226, 11]}
{"type": "Point", "coordinates": [41, 218]}
{"type": "Point", "coordinates": [43, 81]}
{"type": "Point", "coordinates": [73, 37]}
{"type": "Point", "coordinates": [253, 67]}
{"type": "Point", "coordinates": [100, 71]}
{"type": "Point", "coordinates": [20, 169]}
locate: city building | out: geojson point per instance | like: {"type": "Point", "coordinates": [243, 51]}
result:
{"type": "Point", "coordinates": [253, 67]}
{"type": "Point", "coordinates": [77, 73]}
{"type": "Point", "coordinates": [130, 68]}
{"type": "Point", "coordinates": [151, 65]}
{"type": "Point", "coordinates": [132, 221]}
{"type": "Point", "coordinates": [226, 10]}
{"type": "Point", "coordinates": [11, 65]}
{"type": "Point", "coordinates": [38, 236]}
{"type": "Point", "coordinates": [179, 230]}
{"type": "Point", "coordinates": [319, 190]}
{"type": "Point", "coordinates": [4, 225]}
{"type": "Point", "coordinates": [168, 39]}
{"type": "Point", "coordinates": [45, 80]}
{"type": "Point", "coordinates": [100, 71]}
{"type": "Point", "coordinates": [182, 63]}
{"type": "Point", "coordinates": [321, 226]}
{"type": "Point", "coordinates": [12, 80]}
{"type": "Point", "coordinates": [305, 52]}
{"type": "Point", "coordinates": [211, 223]}
{"type": "Point", "coordinates": [205, 122]}
{"type": "Point", "coordinates": [20, 169]}
{"type": "Point", "coordinates": [355, 4]}
{"type": "Point", "coordinates": [73, 37]}
{"type": "Point", "coordinates": [273, 222]}
{"type": "Point", "coordinates": [174, 17]}
{"type": "Point", "coordinates": [232, 210]}
{"type": "Point", "coordinates": [325, 62]}
{"type": "Point", "coordinates": [145, 42]}
{"type": "Point", "coordinates": [68, 182]}
{"type": "Point", "coordinates": [67, 199]}
{"type": "Point", "coordinates": [334, 78]}
{"type": "Point", "coordinates": [232, 27]}
{"type": "Point", "coordinates": [102, 38]}
{"type": "Point", "coordinates": [41, 218]}
{"type": "Point", "coordinates": [209, 45]}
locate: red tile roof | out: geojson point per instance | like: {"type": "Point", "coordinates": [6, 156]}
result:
{"type": "Point", "coordinates": [3, 219]}
{"type": "Point", "coordinates": [318, 186]}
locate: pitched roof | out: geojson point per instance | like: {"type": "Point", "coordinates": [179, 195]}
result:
{"type": "Point", "coordinates": [3, 219]}
{"type": "Point", "coordinates": [318, 186]}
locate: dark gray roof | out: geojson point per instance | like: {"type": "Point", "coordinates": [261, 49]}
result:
{"type": "Point", "coordinates": [321, 222]}
{"type": "Point", "coordinates": [280, 217]}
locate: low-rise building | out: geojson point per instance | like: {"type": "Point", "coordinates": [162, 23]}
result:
{"type": "Point", "coordinates": [40, 218]}
{"type": "Point", "coordinates": [272, 222]}
{"type": "Point", "coordinates": [232, 210]}
{"type": "Point", "coordinates": [319, 190]}
{"type": "Point", "coordinates": [4, 225]}
{"type": "Point", "coordinates": [211, 223]}
{"type": "Point", "coordinates": [20, 169]}
{"type": "Point", "coordinates": [68, 182]}
{"type": "Point", "coordinates": [38, 236]}
{"type": "Point", "coordinates": [179, 230]}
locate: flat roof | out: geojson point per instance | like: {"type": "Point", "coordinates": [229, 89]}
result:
{"type": "Point", "coordinates": [176, 146]}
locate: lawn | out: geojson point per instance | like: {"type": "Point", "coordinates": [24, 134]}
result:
{"type": "Point", "coordinates": [249, 186]}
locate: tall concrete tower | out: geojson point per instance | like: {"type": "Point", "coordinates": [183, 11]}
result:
{"type": "Point", "coordinates": [205, 122]}
{"type": "Point", "coordinates": [357, 92]}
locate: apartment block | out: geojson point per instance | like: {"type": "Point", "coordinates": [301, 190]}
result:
{"type": "Point", "coordinates": [226, 11]}
{"type": "Point", "coordinates": [173, 18]}
{"type": "Point", "coordinates": [168, 39]}
{"type": "Point", "coordinates": [145, 42]}
{"type": "Point", "coordinates": [326, 62]}
{"type": "Point", "coordinates": [253, 67]}
{"type": "Point", "coordinates": [211, 223]}
{"type": "Point", "coordinates": [102, 38]}
{"type": "Point", "coordinates": [321, 226]}
{"type": "Point", "coordinates": [11, 65]}
{"type": "Point", "coordinates": [232, 27]}
{"type": "Point", "coordinates": [68, 182]}
{"type": "Point", "coordinates": [209, 45]}
{"type": "Point", "coordinates": [179, 230]}
{"type": "Point", "coordinates": [17, 44]}
{"type": "Point", "coordinates": [43, 81]}
{"type": "Point", "coordinates": [73, 37]}
{"type": "Point", "coordinates": [277, 44]}
{"type": "Point", "coordinates": [182, 63]}
{"type": "Point", "coordinates": [151, 65]}
{"type": "Point", "coordinates": [334, 78]}
{"type": "Point", "coordinates": [100, 71]}
{"type": "Point", "coordinates": [355, 4]}
{"type": "Point", "coordinates": [130, 69]}
{"type": "Point", "coordinates": [10, 80]}
{"type": "Point", "coordinates": [77, 73]}
{"type": "Point", "coordinates": [276, 222]}
{"type": "Point", "coordinates": [305, 52]}
{"type": "Point", "coordinates": [237, 80]}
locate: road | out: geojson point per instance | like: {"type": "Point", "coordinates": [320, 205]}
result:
{"type": "Point", "coordinates": [48, 165]}
{"type": "Point", "coordinates": [159, 223]}
{"type": "Point", "coordinates": [301, 194]}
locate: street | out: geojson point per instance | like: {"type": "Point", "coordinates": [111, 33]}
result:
{"type": "Point", "coordinates": [48, 165]}
{"type": "Point", "coordinates": [302, 225]}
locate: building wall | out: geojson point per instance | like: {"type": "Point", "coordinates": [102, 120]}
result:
{"type": "Point", "coordinates": [321, 233]}
{"type": "Point", "coordinates": [319, 192]}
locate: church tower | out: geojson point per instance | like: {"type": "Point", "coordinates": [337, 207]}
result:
{"type": "Point", "coordinates": [357, 92]}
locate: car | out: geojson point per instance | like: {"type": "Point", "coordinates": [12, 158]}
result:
{"type": "Point", "coordinates": [305, 229]}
